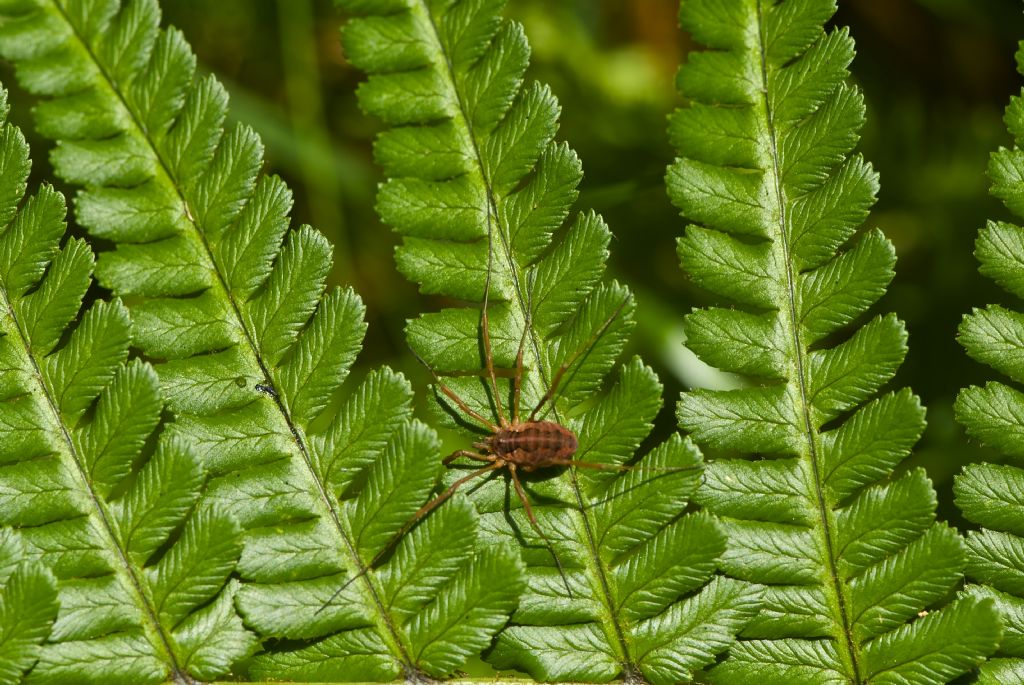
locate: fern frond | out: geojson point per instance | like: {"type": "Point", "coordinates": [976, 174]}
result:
{"type": "Point", "coordinates": [990, 494]}
{"type": "Point", "coordinates": [28, 607]}
{"type": "Point", "coordinates": [480, 192]}
{"type": "Point", "coordinates": [144, 573]}
{"type": "Point", "coordinates": [252, 348]}
{"type": "Point", "coordinates": [850, 554]}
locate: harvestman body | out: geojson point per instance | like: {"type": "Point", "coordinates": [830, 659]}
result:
{"type": "Point", "coordinates": [513, 445]}
{"type": "Point", "coordinates": [517, 445]}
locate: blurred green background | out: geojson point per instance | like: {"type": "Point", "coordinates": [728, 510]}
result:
{"type": "Point", "coordinates": [936, 75]}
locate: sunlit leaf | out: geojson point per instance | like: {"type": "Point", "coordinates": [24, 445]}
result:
{"type": "Point", "coordinates": [851, 553]}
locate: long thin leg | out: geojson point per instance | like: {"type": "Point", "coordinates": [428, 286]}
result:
{"type": "Point", "coordinates": [485, 327]}
{"type": "Point", "coordinates": [453, 397]}
{"type": "Point", "coordinates": [536, 526]}
{"type": "Point", "coordinates": [517, 391]}
{"type": "Point", "coordinates": [576, 355]}
{"type": "Point", "coordinates": [423, 511]}
{"type": "Point", "coordinates": [466, 453]}
{"type": "Point", "coordinates": [518, 382]}
{"type": "Point", "coordinates": [624, 467]}
{"type": "Point", "coordinates": [434, 503]}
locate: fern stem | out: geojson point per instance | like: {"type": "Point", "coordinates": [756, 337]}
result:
{"type": "Point", "coordinates": [630, 673]}
{"type": "Point", "coordinates": [612, 628]}
{"type": "Point", "coordinates": [780, 243]}
{"type": "Point", "coordinates": [464, 123]}
{"type": "Point", "coordinates": [127, 570]}
{"type": "Point", "coordinates": [323, 498]}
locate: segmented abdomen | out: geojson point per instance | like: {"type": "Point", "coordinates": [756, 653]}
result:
{"type": "Point", "coordinates": [535, 444]}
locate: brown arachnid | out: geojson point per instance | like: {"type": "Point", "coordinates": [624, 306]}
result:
{"type": "Point", "coordinates": [515, 445]}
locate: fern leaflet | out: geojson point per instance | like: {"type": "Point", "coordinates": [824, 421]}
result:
{"type": "Point", "coordinates": [251, 350]}
{"type": "Point", "coordinates": [28, 606]}
{"type": "Point", "coordinates": [989, 494]}
{"type": "Point", "coordinates": [139, 601]}
{"type": "Point", "coordinates": [849, 553]}
{"type": "Point", "coordinates": [478, 190]}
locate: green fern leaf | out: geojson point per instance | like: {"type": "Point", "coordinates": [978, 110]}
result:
{"type": "Point", "coordinates": [251, 348]}
{"type": "Point", "coordinates": [28, 607]}
{"type": "Point", "coordinates": [990, 494]}
{"type": "Point", "coordinates": [478, 190]}
{"type": "Point", "coordinates": [851, 554]}
{"type": "Point", "coordinates": [136, 597]}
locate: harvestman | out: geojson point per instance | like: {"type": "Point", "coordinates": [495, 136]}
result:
{"type": "Point", "coordinates": [517, 445]}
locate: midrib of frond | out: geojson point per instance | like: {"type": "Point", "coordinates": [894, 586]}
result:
{"type": "Point", "coordinates": [323, 500]}
{"type": "Point", "coordinates": [150, 623]}
{"type": "Point", "coordinates": [507, 260]}
{"type": "Point", "coordinates": [595, 567]}
{"type": "Point", "coordinates": [798, 380]}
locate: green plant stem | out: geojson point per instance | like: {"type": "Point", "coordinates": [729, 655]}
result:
{"type": "Point", "coordinates": [799, 380]}
{"type": "Point", "coordinates": [130, 576]}
{"type": "Point", "coordinates": [323, 500]}
{"type": "Point", "coordinates": [532, 357]}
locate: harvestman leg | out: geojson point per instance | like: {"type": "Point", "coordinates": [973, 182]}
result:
{"type": "Point", "coordinates": [426, 508]}
{"type": "Point", "coordinates": [625, 467]}
{"type": "Point", "coordinates": [576, 355]}
{"type": "Point", "coordinates": [485, 327]}
{"type": "Point", "coordinates": [490, 425]}
{"type": "Point", "coordinates": [440, 499]}
{"type": "Point", "coordinates": [536, 526]}
{"type": "Point", "coordinates": [517, 387]}
{"type": "Point", "coordinates": [518, 381]}
{"type": "Point", "coordinates": [465, 453]}
{"type": "Point", "coordinates": [423, 511]}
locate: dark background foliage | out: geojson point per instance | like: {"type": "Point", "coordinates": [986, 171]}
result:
{"type": "Point", "coordinates": [936, 74]}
